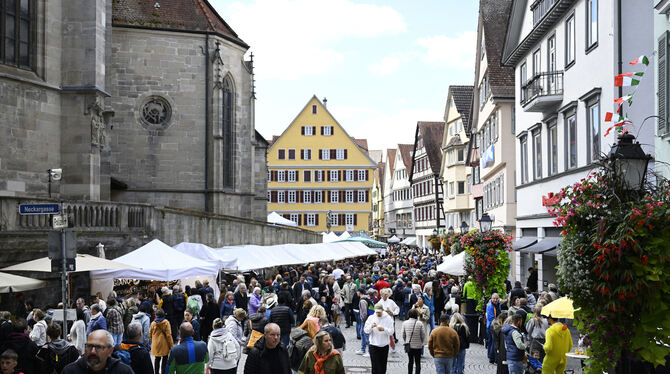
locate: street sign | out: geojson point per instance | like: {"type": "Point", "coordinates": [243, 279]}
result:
{"type": "Point", "coordinates": [57, 265]}
{"type": "Point", "coordinates": [55, 245]}
{"type": "Point", "coordinates": [59, 221]}
{"type": "Point", "coordinates": [32, 209]}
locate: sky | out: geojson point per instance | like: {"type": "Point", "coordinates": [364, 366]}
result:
{"type": "Point", "coordinates": [383, 65]}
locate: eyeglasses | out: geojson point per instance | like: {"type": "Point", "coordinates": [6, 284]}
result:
{"type": "Point", "coordinates": [90, 347]}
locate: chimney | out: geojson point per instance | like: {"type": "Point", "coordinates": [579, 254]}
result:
{"type": "Point", "coordinates": [325, 102]}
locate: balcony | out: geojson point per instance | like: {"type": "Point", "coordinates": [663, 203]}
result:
{"type": "Point", "coordinates": [543, 92]}
{"type": "Point", "coordinates": [540, 8]}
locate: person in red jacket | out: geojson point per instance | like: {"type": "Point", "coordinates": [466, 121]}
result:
{"type": "Point", "coordinates": [382, 283]}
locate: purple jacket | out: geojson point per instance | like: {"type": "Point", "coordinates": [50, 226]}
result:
{"type": "Point", "coordinates": [254, 303]}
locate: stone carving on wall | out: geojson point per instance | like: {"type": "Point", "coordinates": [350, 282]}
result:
{"type": "Point", "coordinates": [155, 113]}
{"type": "Point", "coordinates": [98, 131]}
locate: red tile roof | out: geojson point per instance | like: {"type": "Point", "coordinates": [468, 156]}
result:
{"type": "Point", "coordinates": [391, 159]}
{"type": "Point", "coordinates": [406, 155]}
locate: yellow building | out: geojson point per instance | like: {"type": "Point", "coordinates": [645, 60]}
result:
{"type": "Point", "coordinates": [316, 170]}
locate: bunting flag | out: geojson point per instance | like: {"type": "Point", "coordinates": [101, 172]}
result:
{"type": "Point", "coordinates": [608, 116]}
{"type": "Point", "coordinates": [627, 79]}
{"type": "Point", "coordinates": [640, 60]}
{"type": "Point", "coordinates": [619, 124]}
{"type": "Point", "coordinates": [623, 99]}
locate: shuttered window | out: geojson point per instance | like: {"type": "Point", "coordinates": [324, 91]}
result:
{"type": "Point", "coordinates": [663, 79]}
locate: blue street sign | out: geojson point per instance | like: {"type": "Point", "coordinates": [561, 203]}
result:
{"type": "Point", "coordinates": [29, 209]}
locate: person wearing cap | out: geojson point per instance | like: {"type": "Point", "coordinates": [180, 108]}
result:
{"type": "Point", "coordinates": [558, 343]}
{"type": "Point", "coordinates": [234, 325]}
{"type": "Point", "coordinates": [380, 328]}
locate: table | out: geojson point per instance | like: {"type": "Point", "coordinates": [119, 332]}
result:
{"type": "Point", "coordinates": [577, 356]}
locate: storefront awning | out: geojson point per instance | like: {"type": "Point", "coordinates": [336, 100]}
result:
{"type": "Point", "coordinates": [552, 253]}
{"type": "Point", "coordinates": [543, 245]}
{"type": "Point", "coordinates": [524, 242]}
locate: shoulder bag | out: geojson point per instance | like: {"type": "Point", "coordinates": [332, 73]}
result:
{"type": "Point", "coordinates": [254, 336]}
{"type": "Point", "coordinates": [407, 345]}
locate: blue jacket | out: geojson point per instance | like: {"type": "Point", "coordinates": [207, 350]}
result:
{"type": "Point", "coordinates": [491, 313]}
{"type": "Point", "coordinates": [196, 328]}
{"type": "Point", "coordinates": [227, 309]}
{"type": "Point", "coordinates": [428, 300]}
{"type": "Point", "coordinates": [513, 352]}
{"type": "Point", "coordinates": [97, 324]}
{"type": "Point", "coordinates": [188, 357]}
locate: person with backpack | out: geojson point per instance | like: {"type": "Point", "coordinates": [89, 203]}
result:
{"type": "Point", "coordinates": [160, 334]}
{"type": "Point", "coordinates": [132, 352]}
{"type": "Point", "coordinates": [364, 312]}
{"type": "Point", "coordinates": [56, 354]}
{"type": "Point", "coordinates": [114, 319]}
{"type": "Point", "coordinates": [283, 316]}
{"type": "Point", "coordinates": [224, 350]}
{"type": "Point", "coordinates": [301, 342]}
{"type": "Point", "coordinates": [144, 319]}
{"type": "Point", "coordinates": [178, 307]}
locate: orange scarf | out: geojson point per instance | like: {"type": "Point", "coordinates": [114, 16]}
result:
{"type": "Point", "coordinates": [320, 360]}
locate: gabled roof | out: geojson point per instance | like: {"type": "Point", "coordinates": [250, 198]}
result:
{"type": "Point", "coordinates": [379, 174]}
{"type": "Point", "coordinates": [173, 15]}
{"type": "Point", "coordinates": [377, 155]}
{"type": "Point", "coordinates": [431, 133]}
{"type": "Point", "coordinates": [261, 139]}
{"type": "Point", "coordinates": [390, 159]}
{"type": "Point", "coordinates": [462, 97]}
{"type": "Point", "coordinates": [361, 143]}
{"type": "Point", "coordinates": [494, 15]}
{"type": "Point", "coordinates": [406, 154]}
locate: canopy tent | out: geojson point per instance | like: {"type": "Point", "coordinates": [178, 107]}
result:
{"type": "Point", "coordinates": [393, 239]}
{"type": "Point", "coordinates": [409, 241]}
{"type": "Point", "coordinates": [344, 235]}
{"type": "Point", "coordinates": [158, 261]}
{"type": "Point", "coordinates": [83, 263]}
{"type": "Point", "coordinates": [367, 241]}
{"type": "Point", "coordinates": [453, 264]}
{"type": "Point", "coordinates": [16, 283]}
{"type": "Point", "coordinates": [205, 253]}
{"type": "Point", "coordinates": [251, 257]}
{"type": "Point", "coordinates": [276, 219]}
{"type": "Point", "coordinates": [330, 237]}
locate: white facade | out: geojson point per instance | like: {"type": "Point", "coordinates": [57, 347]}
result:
{"type": "Point", "coordinates": [564, 87]}
{"type": "Point", "coordinates": [661, 64]}
{"type": "Point", "coordinates": [400, 196]}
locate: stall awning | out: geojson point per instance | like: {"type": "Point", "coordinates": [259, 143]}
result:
{"type": "Point", "coordinates": [552, 253]}
{"type": "Point", "coordinates": [543, 245]}
{"type": "Point", "coordinates": [524, 242]}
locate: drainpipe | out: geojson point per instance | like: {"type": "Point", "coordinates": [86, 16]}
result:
{"type": "Point", "coordinates": [207, 107]}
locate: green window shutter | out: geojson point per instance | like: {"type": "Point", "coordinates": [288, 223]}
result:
{"type": "Point", "coordinates": [663, 84]}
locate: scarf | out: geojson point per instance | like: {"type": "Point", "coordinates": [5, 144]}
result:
{"type": "Point", "coordinates": [320, 360]}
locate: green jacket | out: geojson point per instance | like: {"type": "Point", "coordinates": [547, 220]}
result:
{"type": "Point", "coordinates": [332, 365]}
{"type": "Point", "coordinates": [469, 290]}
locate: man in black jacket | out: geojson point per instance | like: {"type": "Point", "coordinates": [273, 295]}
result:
{"type": "Point", "coordinates": [283, 316]}
{"type": "Point", "coordinates": [140, 358]}
{"type": "Point", "coordinates": [97, 357]}
{"type": "Point", "coordinates": [268, 356]}
{"type": "Point", "coordinates": [19, 342]}
{"type": "Point", "coordinates": [532, 279]}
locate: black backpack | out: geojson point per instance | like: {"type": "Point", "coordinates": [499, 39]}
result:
{"type": "Point", "coordinates": [179, 302]}
{"type": "Point", "coordinates": [51, 362]}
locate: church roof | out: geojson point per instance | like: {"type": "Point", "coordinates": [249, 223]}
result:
{"type": "Point", "coordinates": [173, 15]}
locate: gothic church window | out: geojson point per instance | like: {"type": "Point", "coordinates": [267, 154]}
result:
{"type": "Point", "coordinates": [227, 132]}
{"type": "Point", "coordinates": [16, 32]}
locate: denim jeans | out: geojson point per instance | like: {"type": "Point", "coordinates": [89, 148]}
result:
{"type": "Point", "coordinates": [432, 323]}
{"type": "Point", "coordinates": [459, 362]}
{"type": "Point", "coordinates": [515, 367]}
{"type": "Point", "coordinates": [490, 344]}
{"type": "Point", "coordinates": [365, 340]}
{"type": "Point", "coordinates": [285, 339]}
{"type": "Point", "coordinates": [118, 338]}
{"type": "Point", "coordinates": [359, 326]}
{"type": "Point", "coordinates": [443, 365]}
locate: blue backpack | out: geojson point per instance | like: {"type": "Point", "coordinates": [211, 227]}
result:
{"type": "Point", "coordinates": [122, 355]}
{"type": "Point", "coordinates": [371, 307]}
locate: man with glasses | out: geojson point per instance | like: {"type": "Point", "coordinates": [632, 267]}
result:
{"type": "Point", "coordinates": [97, 357]}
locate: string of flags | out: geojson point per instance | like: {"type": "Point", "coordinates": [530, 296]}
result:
{"type": "Point", "coordinates": [625, 80]}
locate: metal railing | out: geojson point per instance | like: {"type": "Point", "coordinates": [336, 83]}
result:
{"type": "Point", "coordinates": [540, 8]}
{"type": "Point", "coordinates": [543, 84]}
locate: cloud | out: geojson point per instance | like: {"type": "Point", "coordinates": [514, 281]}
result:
{"type": "Point", "coordinates": [297, 38]}
{"type": "Point", "coordinates": [445, 51]}
{"type": "Point", "coordinates": [387, 65]}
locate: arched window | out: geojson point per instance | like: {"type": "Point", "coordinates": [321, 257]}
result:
{"type": "Point", "coordinates": [227, 132]}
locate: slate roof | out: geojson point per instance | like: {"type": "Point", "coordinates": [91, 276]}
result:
{"type": "Point", "coordinates": [178, 15]}
{"type": "Point", "coordinates": [391, 160]}
{"type": "Point", "coordinates": [494, 15]}
{"type": "Point", "coordinates": [432, 132]}
{"type": "Point", "coordinates": [462, 96]}
{"type": "Point", "coordinates": [406, 155]}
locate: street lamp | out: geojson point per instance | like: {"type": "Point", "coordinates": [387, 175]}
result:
{"type": "Point", "coordinates": [464, 228]}
{"type": "Point", "coordinates": [485, 223]}
{"type": "Point", "coordinates": [629, 161]}
{"type": "Point", "coordinates": [450, 230]}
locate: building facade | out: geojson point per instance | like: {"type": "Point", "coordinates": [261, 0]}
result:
{"type": "Point", "coordinates": [322, 189]}
{"type": "Point", "coordinates": [456, 176]}
{"type": "Point", "coordinates": [661, 86]}
{"type": "Point", "coordinates": [378, 202]}
{"type": "Point", "coordinates": [399, 213]}
{"type": "Point", "coordinates": [424, 177]}
{"type": "Point", "coordinates": [565, 55]}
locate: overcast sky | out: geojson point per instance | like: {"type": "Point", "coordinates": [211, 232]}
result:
{"type": "Point", "coordinates": [383, 65]}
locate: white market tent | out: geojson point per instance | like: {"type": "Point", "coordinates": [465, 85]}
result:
{"type": "Point", "coordinates": [16, 283]}
{"type": "Point", "coordinates": [276, 219]}
{"type": "Point", "coordinates": [410, 241]}
{"type": "Point", "coordinates": [205, 253]}
{"type": "Point", "coordinates": [158, 261]}
{"type": "Point", "coordinates": [83, 262]}
{"type": "Point", "coordinates": [452, 265]}
{"type": "Point", "coordinates": [393, 239]}
{"type": "Point", "coordinates": [330, 237]}
{"type": "Point", "coordinates": [344, 235]}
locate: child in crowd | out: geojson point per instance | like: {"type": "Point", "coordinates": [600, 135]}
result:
{"type": "Point", "coordinates": [8, 361]}
{"type": "Point", "coordinates": [336, 309]}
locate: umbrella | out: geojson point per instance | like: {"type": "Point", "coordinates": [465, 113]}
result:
{"type": "Point", "coordinates": [560, 308]}
{"type": "Point", "coordinates": [83, 263]}
{"type": "Point", "coordinates": [16, 283]}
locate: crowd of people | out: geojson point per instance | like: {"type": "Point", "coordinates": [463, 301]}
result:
{"type": "Point", "coordinates": [285, 320]}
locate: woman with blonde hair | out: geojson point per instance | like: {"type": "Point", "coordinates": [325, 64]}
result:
{"type": "Point", "coordinates": [317, 312]}
{"type": "Point", "coordinates": [537, 327]}
{"type": "Point", "coordinates": [39, 333]}
{"type": "Point", "coordinates": [321, 358]}
{"type": "Point", "coordinates": [458, 323]}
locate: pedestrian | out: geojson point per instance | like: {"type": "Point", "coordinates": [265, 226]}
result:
{"type": "Point", "coordinates": [514, 344]}
{"type": "Point", "coordinates": [268, 356]}
{"type": "Point", "coordinates": [224, 350]}
{"type": "Point", "coordinates": [9, 360]}
{"type": "Point", "coordinates": [241, 297]}
{"type": "Point", "coordinates": [282, 315]}
{"type": "Point", "coordinates": [458, 324]}
{"type": "Point", "coordinates": [188, 317]}
{"type": "Point", "coordinates": [129, 312]}
{"type": "Point", "coordinates": [19, 342]}
{"type": "Point", "coordinates": [178, 308]}
{"type": "Point", "coordinates": [56, 354]}
{"type": "Point", "coordinates": [234, 325]}
{"type": "Point", "coordinates": [315, 314]}
{"type": "Point", "coordinates": [254, 327]}
{"type": "Point", "coordinates": [208, 313]}
{"type": "Point", "coordinates": [536, 328]}
{"type": "Point", "coordinates": [114, 320]}
{"type": "Point", "coordinates": [348, 292]}
{"type": "Point", "coordinates": [77, 335]}
{"type": "Point", "coordinates": [97, 321]}
{"type": "Point", "coordinates": [443, 345]}
{"type": "Point", "coordinates": [380, 328]}
{"type": "Point", "coordinates": [470, 298]}
{"type": "Point", "coordinates": [492, 311]}
{"type": "Point", "coordinates": [363, 314]}
{"type": "Point", "coordinates": [337, 338]}
{"type": "Point", "coordinates": [424, 315]}
{"type": "Point", "coordinates": [189, 356]}
{"type": "Point", "coordinates": [429, 301]}
{"type": "Point", "coordinates": [5, 325]}
{"type": "Point", "coordinates": [532, 279]}
{"type": "Point", "coordinates": [140, 358]}
{"type": "Point", "coordinates": [99, 347]}
{"type": "Point", "coordinates": [160, 333]}
{"type": "Point", "coordinates": [301, 340]}
{"type": "Point", "coordinates": [144, 319]}
{"type": "Point", "coordinates": [413, 336]}
{"type": "Point", "coordinates": [390, 308]}
{"type": "Point", "coordinates": [39, 333]}
{"type": "Point", "coordinates": [558, 343]}
{"type": "Point", "coordinates": [255, 300]}
{"type": "Point", "coordinates": [336, 310]}
{"type": "Point", "coordinates": [228, 305]}
{"type": "Point", "coordinates": [322, 357]}
{"type": "Point", "coordinates": [499, 343]}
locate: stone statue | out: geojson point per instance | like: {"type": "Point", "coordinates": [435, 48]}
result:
{"type": "Point", "coordinates": [98, 132]}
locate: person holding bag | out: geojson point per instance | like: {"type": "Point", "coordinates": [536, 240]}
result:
{"type": "Point", "coordinates": [413, 334]}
